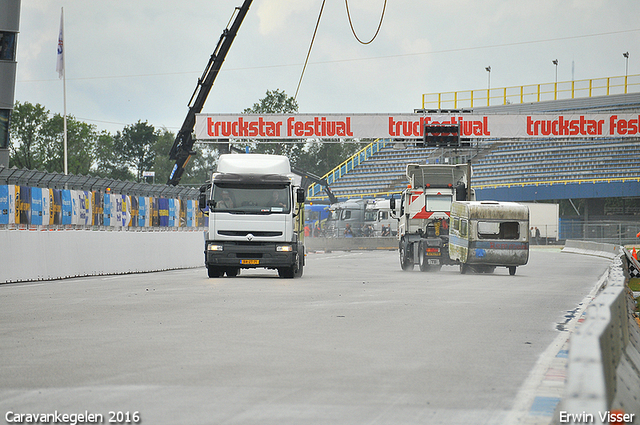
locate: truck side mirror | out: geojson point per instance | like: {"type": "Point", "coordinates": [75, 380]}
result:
{"type": "Point", "coordinates": [202, 200]}
{"type": "Point", "coordinates": [300, 195]}
{"type": "Point", "coordinates": [392, 203]}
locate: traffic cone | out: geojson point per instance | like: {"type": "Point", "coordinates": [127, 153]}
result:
{"type": "Point", "coordinates": [634, 254]}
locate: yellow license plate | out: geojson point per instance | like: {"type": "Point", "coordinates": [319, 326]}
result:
{"type": "Point", "coordinates": [249, 261]}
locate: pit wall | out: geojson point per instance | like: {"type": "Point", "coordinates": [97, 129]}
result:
{"type": "Point", "coordinates": [32, 255]}
{"type": "Point", "coordinates": [603, 373]}
{"type": "Point", "coordinates": [318, 244]}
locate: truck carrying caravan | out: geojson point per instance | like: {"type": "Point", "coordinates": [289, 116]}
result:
{"type": "Point", "coordinates": [256, 216]}
{"type": "Point", "coordinates": [484, 235]}
{"type": "Point", "coordinates": [424, 213]}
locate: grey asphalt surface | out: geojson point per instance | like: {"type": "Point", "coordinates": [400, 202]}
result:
{"type": "Point", "coordinates": [354, 341]}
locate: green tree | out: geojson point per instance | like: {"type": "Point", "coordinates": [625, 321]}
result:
{"type": "Point", "coordinates": [37, 140]}
{"type": "Point", "coordinates": [26, 136]}
{"type": "Point", "coordinates": [276, 102]}
{"type": "Point", "coordinates": [108, 163]}
{"type": "Point", "coordinates": [162, 165]}
{"type": "Point", "coordinates": [314, 156]}
{"type": "Point", "coordinates": [135, 147]}
{"type": "Point", "coordinates": [81, 140]}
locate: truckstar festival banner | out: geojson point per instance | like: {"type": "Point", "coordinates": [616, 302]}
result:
{"type": "Point", "coordinates": [411, 126]}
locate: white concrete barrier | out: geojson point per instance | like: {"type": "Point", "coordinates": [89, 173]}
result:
{"type": "Point", "coordinates": [27, 255]}
{"type": "Point", "coordinates": [603, 373]}
{"type": "Point", "coordinates": [606, 250]}
{"type": "Point", "coordinates": [349, 244]}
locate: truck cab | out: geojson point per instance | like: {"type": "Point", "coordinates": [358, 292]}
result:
{"type": "Point", "coordinates": [423, 235]}
{"type": "Point", "coordinates": [255, 216]}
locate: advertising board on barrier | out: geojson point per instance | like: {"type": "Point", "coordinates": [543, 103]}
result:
{"type": "Point", "coordinates": [297, 126]}
{"type": "Point", "coordinates": [33, 206]}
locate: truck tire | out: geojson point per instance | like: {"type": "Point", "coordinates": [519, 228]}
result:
{"type": "Point", "coordinates": [214, 271]}
{"type": "Point", "coordinates": [424, 261]}
{"type": "Point", "coordinates": [300, 267]}
{"type": "Point", "coordinates": [286, 272]}
{"type": "Point", "coordinates": [406, 261]}
{"type": "Point", "coordinates": [233, 272]}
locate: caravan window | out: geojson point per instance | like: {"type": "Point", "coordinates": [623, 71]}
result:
{"type": "Point", "coordinates": [464, 225]}
{"type": "Point", "coordinates": [498, 230]}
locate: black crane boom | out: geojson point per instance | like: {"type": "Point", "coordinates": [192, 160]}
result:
{"type": "Point", "coordinates": [182, 148]}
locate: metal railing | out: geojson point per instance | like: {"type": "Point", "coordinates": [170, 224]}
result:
{"type": "Point", "coordinates": [532, 93]}
{"type": "Point", "coordinates": [614, 232]}
{"type": "Point", "coordinates": [554, 182]}
{"type": "Point", "coordinates": [348, 165]}
{"type": "Point", "coordinates": [43, 179]}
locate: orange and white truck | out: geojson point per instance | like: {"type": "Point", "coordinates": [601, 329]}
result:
{"type": "Point", "coordinates": [425, 208]}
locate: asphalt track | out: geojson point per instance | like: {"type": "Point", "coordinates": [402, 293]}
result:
{"type": "Point", "coordinates": [354, 341]}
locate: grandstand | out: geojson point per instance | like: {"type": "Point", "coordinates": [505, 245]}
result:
{"type": "Point", "coordinates": [529, 170]}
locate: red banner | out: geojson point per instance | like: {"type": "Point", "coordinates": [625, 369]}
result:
{"type": "Point", "coordinates": [411, 126]}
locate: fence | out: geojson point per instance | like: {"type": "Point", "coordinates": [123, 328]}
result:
{"type": "Point", "coordinates": [613, 232]}
{"type": "Point", "coordinates": [532, 93]}
{"type": "Point", "coordinates": [31, 199]}
{"type": "Point", "coordinates": [348, 165]}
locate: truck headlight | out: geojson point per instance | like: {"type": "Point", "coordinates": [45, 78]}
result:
{"type": "Point", "coordinates": [214, 247]}
{"type": "Point", "coordinates": [284, 248]}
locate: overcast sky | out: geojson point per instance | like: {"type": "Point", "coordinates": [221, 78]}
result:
{"type": "Point", "coordinates": [130, 60]}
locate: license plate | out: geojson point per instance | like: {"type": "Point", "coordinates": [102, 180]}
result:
{"type": "Point", "coordinates": [433, 262]}
{"type": "Point", "coordinates": [249, 261]}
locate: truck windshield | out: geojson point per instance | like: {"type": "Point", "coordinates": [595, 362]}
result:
{"type": "Point", "coordinates": [438, 202]}
{"type": "Point", "coordinates": [255, 199]}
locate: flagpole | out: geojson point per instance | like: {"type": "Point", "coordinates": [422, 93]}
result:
{"type": "Point", "coordinates": [62, 71]}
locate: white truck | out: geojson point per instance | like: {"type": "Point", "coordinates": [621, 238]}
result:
{"type": "Point", "coordinates": [544, 222]}
{"type": "Point", "coordinates": [423, 228]}
{"type": "Point", "coordinates": [256, 216]}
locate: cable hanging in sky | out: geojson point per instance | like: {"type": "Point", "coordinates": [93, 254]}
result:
{"type": "Point", "coordinates": [309, 52]}
{"type": "Point", "coordinates": [384, 8]}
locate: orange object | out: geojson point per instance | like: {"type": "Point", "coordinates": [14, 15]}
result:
{"type": "Point", "coordinates": [634, 254]}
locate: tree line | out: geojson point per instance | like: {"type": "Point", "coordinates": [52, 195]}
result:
{"type": "Point", "coordinates": [36, 138]}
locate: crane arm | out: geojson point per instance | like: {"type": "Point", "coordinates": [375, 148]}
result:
{"type": "Point", "coordinates": [182, 148]}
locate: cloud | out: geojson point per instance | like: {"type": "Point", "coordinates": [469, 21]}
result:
{"type": "Point", "coordinates": [275, 15]}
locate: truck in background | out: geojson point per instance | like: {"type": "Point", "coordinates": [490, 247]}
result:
{"type": "Point", "coordinates": [546, 219]}
{"type": "Point", "coordinates": [346, 219]}
{"type": "Point", "coordinates": [363, 218]}
{"type": "Point", "coordinates": [256, 216]}
{"type": "Point", "coordinates": [423, 227]}
{"type": "Point", "coordinates": [380, 216]}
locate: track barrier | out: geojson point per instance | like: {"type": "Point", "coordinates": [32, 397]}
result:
{"type": "Point", "coordinates": [46, 255]}
{"type": "Point", "coordinates": [603, 374]}
{"type": "Point", "coordinates": [316, 244]}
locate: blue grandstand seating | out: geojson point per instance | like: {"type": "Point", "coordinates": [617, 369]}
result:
{"type": "Point", "coordinates": [508, 162]}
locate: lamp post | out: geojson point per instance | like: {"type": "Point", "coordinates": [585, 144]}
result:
{"type": "Point", "coordinates": [555, 87]}
{"type": "Point", "coordinates": [488, 69]}
{"type": "Point", "coordinates": [626, 70]}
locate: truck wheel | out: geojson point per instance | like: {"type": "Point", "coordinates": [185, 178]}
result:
{"type": "Point", "coordinates": [422, 259]}
{"type": "Point", "coordinates": [214, 271]}
{"type": "Point", "coordinates": [512, 270]}
{"type": "Point", "coordinates": [406, 262]}
{"type": "Point", "coordinates": [300, 268]}
{"type": "Point", "coordinates": [286, 272]}
{"type": "Point", "coordinates": [233, 272]}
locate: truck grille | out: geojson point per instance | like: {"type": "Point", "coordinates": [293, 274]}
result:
{"type": "Point", "coordinates": [243, 233]}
